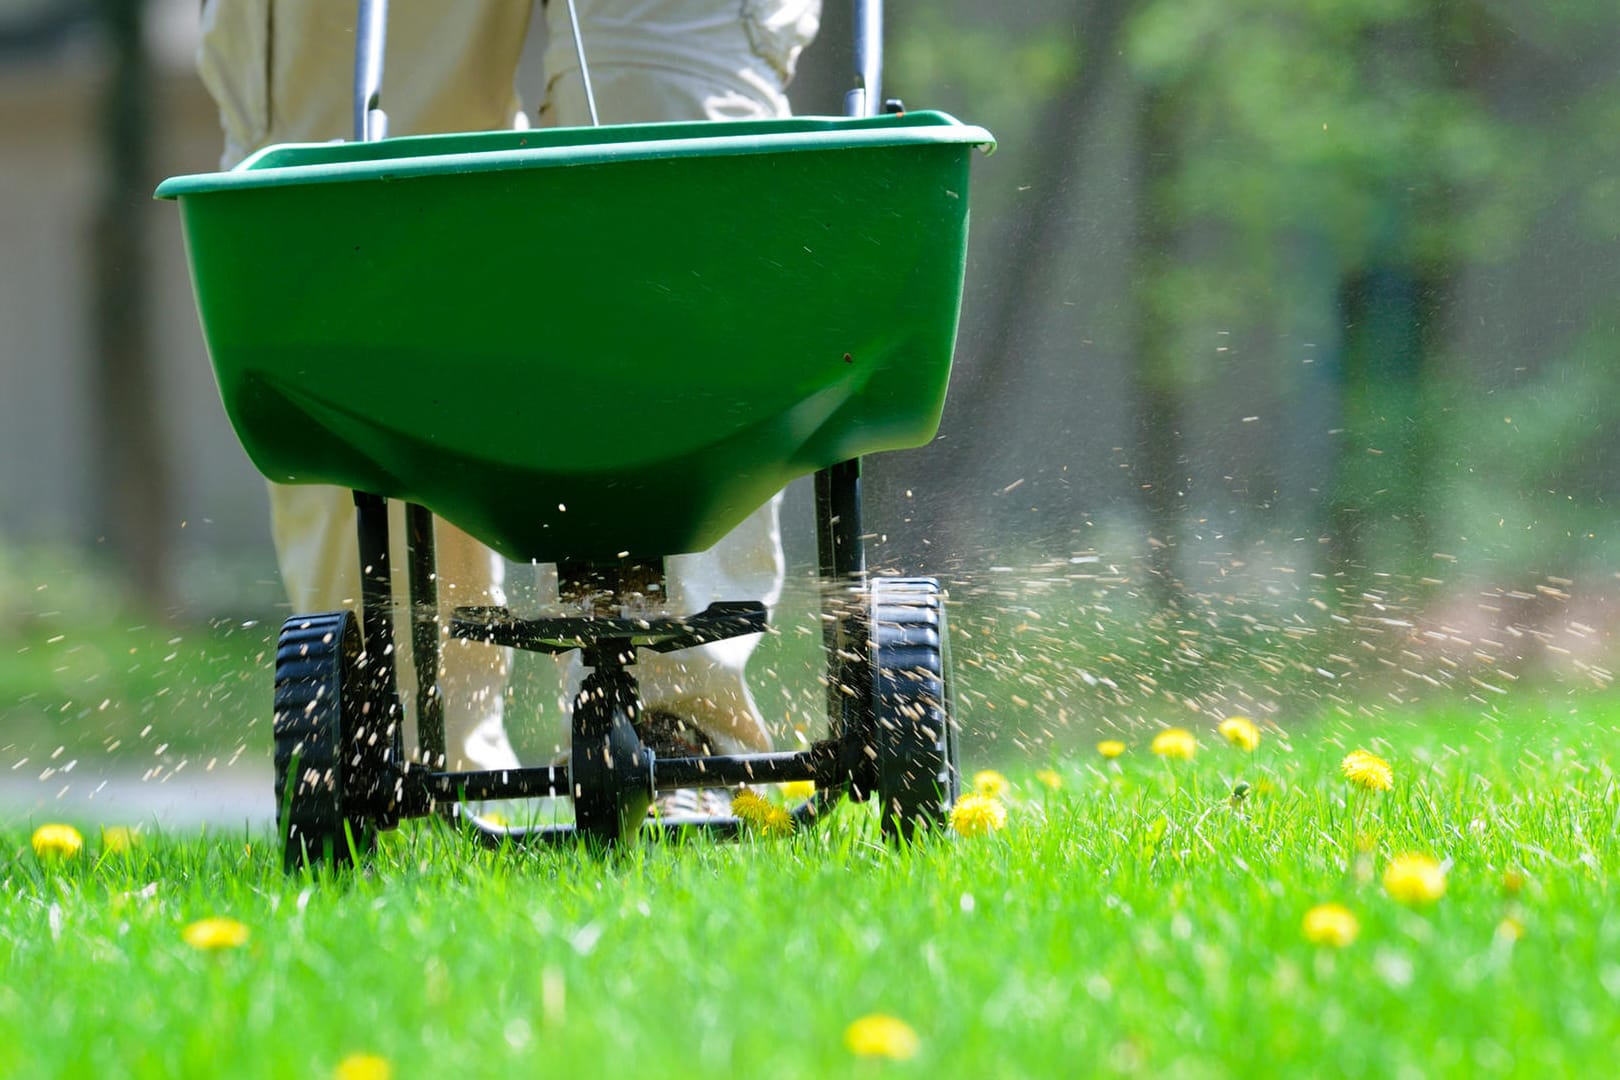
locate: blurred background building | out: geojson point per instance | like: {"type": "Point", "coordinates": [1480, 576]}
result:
{"type": "Point", "coordinates": [1285, 383]}
{"type": "Point", "coordinates": [1259, 291]}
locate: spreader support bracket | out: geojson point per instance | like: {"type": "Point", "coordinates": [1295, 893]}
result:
{"type": "Point", "coordinates": [717, 622]}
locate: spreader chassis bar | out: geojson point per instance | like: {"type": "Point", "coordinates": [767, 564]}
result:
{"type": "Point", "coordinates": [821, 763]}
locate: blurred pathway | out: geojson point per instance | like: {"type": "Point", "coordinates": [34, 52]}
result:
{"type": "Point", "coordinates": [226, 798]}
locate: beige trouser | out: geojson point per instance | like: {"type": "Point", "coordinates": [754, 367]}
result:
{"type": "Point", "coordinates": [282, 70]}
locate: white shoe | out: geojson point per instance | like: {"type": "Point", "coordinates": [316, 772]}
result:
{"type": "Point", "coordinates": [668, 735]}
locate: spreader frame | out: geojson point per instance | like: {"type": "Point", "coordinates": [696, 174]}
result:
{"type": "Point", "coordinates": [611, 776]}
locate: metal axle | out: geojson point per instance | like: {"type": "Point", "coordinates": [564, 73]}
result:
{"type": "Point", "coordinates": [819, 763]}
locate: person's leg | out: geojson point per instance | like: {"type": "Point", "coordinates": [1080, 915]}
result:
{"type": "Point", "coordinates": [313, 527]}
{"type": "Point", "coordinates": [658, 60]}
{"type": "Point", "coordinates": [283, 72]}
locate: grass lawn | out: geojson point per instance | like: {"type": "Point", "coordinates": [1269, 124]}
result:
{"type": "Point", "coordinates": [1132, 921]}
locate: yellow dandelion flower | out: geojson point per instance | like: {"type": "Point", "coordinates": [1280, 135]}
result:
{"type": "Point", "coordinates": [1415, 879]}
{"type": "Point", "coordinates": [1512, 881]}
{"type": "Point", "coordinates": [1241, 732]}
{"type": "Point", "coordinates": [57, 842]}
{"type": "Point", "coordinates": [750, 806]}
{"type": "Point", "coordinates": [778, 822]}
{"type": "Point", "coordinates": [1051, 779]}
{"type": "Point", "coordinates": [760, 815]}
{"type": "Point", "coordinates": [1367, 770]}
{"type": "Point", "coordinates": [797, 790]}
{"type": "Point", "coordinates": [215, 933]}
{"type": "Point", "coordinates": [977, 815]}
{"type": "Point", "coordinates": [880, 1035]}
{"type": "Point", "coordinates": [119, 839]}
{"type": "Point", "coordinates": [1110, 748]}
{"type": "Point", "coordinates": [495, 819]}
{"type": "Point", "coordinates": [991, 783]}
{"type": "Point", "coordinates": [363, 1067]}
{"type": "Point", "coordinates": [1509, 930]}
{"type": "Point", "coordinates": [1175, 743]}
{"type": "Point", "coordinates": [1330, 924]}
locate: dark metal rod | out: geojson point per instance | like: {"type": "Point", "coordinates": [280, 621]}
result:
{"type": "Point", "coordinates": [546, 781]}
{"type": "Point", "coordinates": [370, 42]}
{"type": "Point", "coordinates": [866, 99]}
{"type": "Point", "coordinates": [826, 561]}
{"type": "Point", "coordinates": [725, 771]}
{"type": "Point", "coordinates": [826, 539]}
{"type": "Point", "coordinates": [424, 587]}
{"type": "Point", "coordinates": [841, 556]}
{"type": "Point", "coordinates": [806, 815]}
{"type": "Point", "coordinates": [839, 548]}
{"type": "Point", "coordinates": [668, 774]}
{"type": "Point", "coordinates": [715, 828]}
{"type": "Point", "coordinates": [497, 835]}
{"type": "Point", "coordinates": [376, 598]}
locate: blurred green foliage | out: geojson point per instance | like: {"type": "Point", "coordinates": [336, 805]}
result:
{"type": "Point", "coordinates": [1405, 211]}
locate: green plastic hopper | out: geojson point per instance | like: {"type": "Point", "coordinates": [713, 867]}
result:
{"type": "Point", "coordinates": [574, 343]}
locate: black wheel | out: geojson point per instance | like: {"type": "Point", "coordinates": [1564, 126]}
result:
{"type": "Point", "coordinates": [914, 737]}
{"type": "Point", "coordinates": [610, 772]}
{"type": "Point", "coordinates": [327, 762]}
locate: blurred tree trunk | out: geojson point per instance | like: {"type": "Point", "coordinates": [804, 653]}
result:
{"type": "Point", "coordinates": [1382, 484]}
{"type": "Point", "coordinates": [133, 483]}
{"type": "Point", "coordinates": [1009, 363]}
{"type": "Point", "coordinates": [1158, 463]}
{"type": "Point", "coordinates": [1380, 509]}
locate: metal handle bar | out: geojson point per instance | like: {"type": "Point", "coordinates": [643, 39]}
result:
{"type": "Point", "coordinates": [867, 97]}
{"type": "Point", "coordinates": [370, 39]}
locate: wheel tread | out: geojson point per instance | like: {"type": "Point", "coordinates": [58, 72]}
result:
{"type": "Point", "coordinates": [315, 654]}
{"type": "Point", "coordinates": [911, 704]}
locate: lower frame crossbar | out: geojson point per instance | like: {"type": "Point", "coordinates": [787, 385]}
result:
{"type": "Point", "coordinates": [547, 781]}
{"type": "Point", "coordinates": [669, 774]}
{"type": "Point", "coordinates": [733, 770]}
{"type": "Point", "coordinates": [805, 815]}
